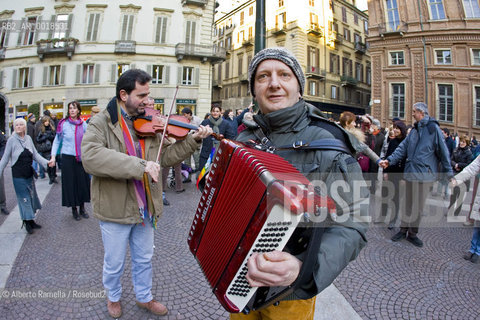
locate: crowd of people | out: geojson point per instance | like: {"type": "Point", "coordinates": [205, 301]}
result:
{"type": "Point", "coordinates": [106, 151]}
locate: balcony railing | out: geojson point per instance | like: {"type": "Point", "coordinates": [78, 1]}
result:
{"type": "Point", "coordinates": [392, 28]}
{"type": "Point", "coordinates": [248, 42]}
{"type": "Point", "coordinates": [360, 47]}
{"type": "Point", "coordinates": [279, 29]}
{"type": "Point", "coordinates": [315, 30]}
{"type": "Point", "coordinates": [337, 37]}
{"type": "Point", "coordinates": [125, 46]}
{"type": "Point", "coordinates": [243, 77]}
{"type": "Point", "coordinates": [200, 3]}
{"type": "Point", "coordinates": [348, 81]}
{"type": "Point", "coordinates": [204, 52]}
{"type": "Point", "coordinates": [217, 83]}
{"type": "Point", "coordinates": [64, 46]}
{"type": "Point", "coordinates": [2, 53]}
{"type": "Point", "coordinates": [315, 72]}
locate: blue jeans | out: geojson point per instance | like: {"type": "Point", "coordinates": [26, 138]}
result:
{"type": "Point", "coordinates": [475, 247]}
{"type": "Point", "coordinates": [116, 237]}
{"type": "Point", "coordinates": [27, 198]}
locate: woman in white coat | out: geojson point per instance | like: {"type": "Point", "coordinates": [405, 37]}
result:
{"type": "Point", "coordinates": [467, 173]}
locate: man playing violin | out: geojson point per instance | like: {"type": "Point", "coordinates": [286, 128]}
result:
{"type": "Point", "coordinates": [126, 197]}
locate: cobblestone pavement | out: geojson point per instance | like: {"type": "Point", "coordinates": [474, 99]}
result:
{"type": "Point", "coordinates": [387, 281]}
{"type": "Point", "coordinates": [396, 280]}
{"type": "Point", "coordinates": [66, 256]}
{"type": "Point", "coordinates": [9, 192]}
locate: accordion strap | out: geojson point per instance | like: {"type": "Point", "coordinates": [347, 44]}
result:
{"type": "Point", "coordinates": [320, 144]}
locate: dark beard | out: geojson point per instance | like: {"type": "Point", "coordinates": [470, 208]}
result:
{"type": "Point", "coordinates": [132, 110]}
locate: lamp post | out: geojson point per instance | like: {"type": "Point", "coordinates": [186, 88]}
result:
{"type": "Point", "coordinates": [260, 30]}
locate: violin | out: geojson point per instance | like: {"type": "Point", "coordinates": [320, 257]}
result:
{"type": "Point", "coordinates": [153, 122]}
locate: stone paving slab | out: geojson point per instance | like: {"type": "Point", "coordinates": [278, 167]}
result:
{"type": "Point", "coordinates": [387, 281]}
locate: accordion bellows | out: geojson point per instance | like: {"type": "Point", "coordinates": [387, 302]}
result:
{"type": "Point", "coordinates": [252, 202]}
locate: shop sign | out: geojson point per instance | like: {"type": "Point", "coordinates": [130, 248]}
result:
{"type": "Point", "coordinates": [186, 101]}
{"type": "Point", "coordinates": [90, 102]}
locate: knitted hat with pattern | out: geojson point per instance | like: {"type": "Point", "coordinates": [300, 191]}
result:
{"type": "Point", "coordinates": [280, 54]}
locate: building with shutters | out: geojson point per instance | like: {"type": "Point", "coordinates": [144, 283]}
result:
{"type": "Point", "coordinates": [426, 51]}
{"type": "Point", "coordinates": [52, 52]}
{"type": "Point", "coordinates": [327, 37]}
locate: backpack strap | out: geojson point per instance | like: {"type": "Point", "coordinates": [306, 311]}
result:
{"type": "Point", "coordinates": [321, 144]}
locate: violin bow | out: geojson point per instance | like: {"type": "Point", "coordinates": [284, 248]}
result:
{"type": "Point", "coordinates": [164, 134]}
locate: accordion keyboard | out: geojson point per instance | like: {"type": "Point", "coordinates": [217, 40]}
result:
{"type": "Point", "coordinates": [274, 235]}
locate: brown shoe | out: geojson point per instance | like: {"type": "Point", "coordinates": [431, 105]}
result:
{"type": "Point", "coordinates": [114, 309]}
{"type": "Point", "coordinates": [154, 307]}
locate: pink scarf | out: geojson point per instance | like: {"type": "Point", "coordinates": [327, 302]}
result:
{"type": "Point", "coordinates": [78, 135]}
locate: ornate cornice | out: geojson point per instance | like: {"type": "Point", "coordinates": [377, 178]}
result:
{"type": "Point", "coordinates": [442, 74]}
{"type": "Point", "coordinates": [130, 8]}
{"type": "Point", "coordinates": [451, 38]}
{"type": "Point", "coordinates": [389, 75]}
{"type": "Point", "coordinates": [5, 14]}
{"type": "Point", "coordinates": [29, 10]}
{"type": "Point", "coordinates": [475, 76]}
{"type": "Point", "coordinates": [96, 6]}
{"type": "Point", "coordinates": [192, 13]}
{"type": "Point", "coordinates": [163, 10]}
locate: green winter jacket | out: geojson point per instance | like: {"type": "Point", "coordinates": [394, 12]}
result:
{"type": "Point", "coordinates": [339, 172]}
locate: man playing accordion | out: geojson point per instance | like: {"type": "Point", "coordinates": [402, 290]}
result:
{"type": "Point", "coordinates": [277, 83]}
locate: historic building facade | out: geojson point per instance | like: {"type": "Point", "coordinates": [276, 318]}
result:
{"type": "Point", "coordinates": [52, 52]}
{"type": "Point", "coordinates": [327, 37]}
{"type": "Point", "coordinates": [426, 51]}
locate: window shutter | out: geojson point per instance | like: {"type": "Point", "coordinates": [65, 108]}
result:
{"type": "Point", "coordinates": [7, 34]}
{"type": "Point", "coordinates": [317, 55]}
{"type": "Point", "coordinates": [130, 27]}
{"type": "Point", "coordinates": [124, 27]}
{"type": "Point", "coordinates": [62, 75]}
{"type": "Point", "coordinates": [97, 73]}
{"type": "Point", "coordinates": [179, 75]}
{"type": "Point", "coordinates": [157, 33]}
{"type": "Point", "coordinates": [193, 32]}
{"type": "Point", "coordinates": [14, 79]}
{"type": "Point", "coordinates": [69, 25]}
{"type": "Point", "coordinates": [308, 56]}
{"type": "Point", "coordinates": [132, 66]}
{"type": "Point", "coordinates": [95, 27]}
{"type": "Point", "coordinates": [197, 76]}
{"type": "Point", "coordinates": [79, 72]}
{"type": "Point", "coordinates": [52, 21]}
{"type": "Point", "coordinates": [149, 69]}
{"type": "Point", "coordinates": [167, 75]}
{"type": "Point", "coordinates": [90, 27]}
{"type": "Point", "coordinates": [164, 29]}
{"type": "Point", "coordinates": [45, 76]}
{"type": "Point", "coordinates": [21, 34]}
{"type": "Point", "coordinates": [113, 73]}
{"type": "Point", "coordinates": [187, 32]}
{"type": "Point", "coordinates": [1, 79]}
{"type": "Point", "coordinates": [30, 77]}
{"type": "Point", "coordinates": [37, 32]}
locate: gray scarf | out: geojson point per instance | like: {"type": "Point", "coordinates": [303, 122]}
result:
{"type": "Point", "coordinates": [216, 123]}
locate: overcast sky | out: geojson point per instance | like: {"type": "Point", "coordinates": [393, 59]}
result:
{"type": "Point", "coordinates": [362, 4]}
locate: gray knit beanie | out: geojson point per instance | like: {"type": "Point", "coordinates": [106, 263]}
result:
{"type": "Point", "coordinates": [420, 106]}
{"type": "Point", "coordinates": [280, 54]}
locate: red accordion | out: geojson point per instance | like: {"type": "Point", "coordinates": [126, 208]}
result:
{"type": "Point", "coordinates": [253, 201]}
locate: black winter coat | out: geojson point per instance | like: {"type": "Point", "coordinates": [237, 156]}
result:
{"type": "Point", "coordinates": [224, 128]}
{"type": "Point", "coordinates": [462, 157]}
